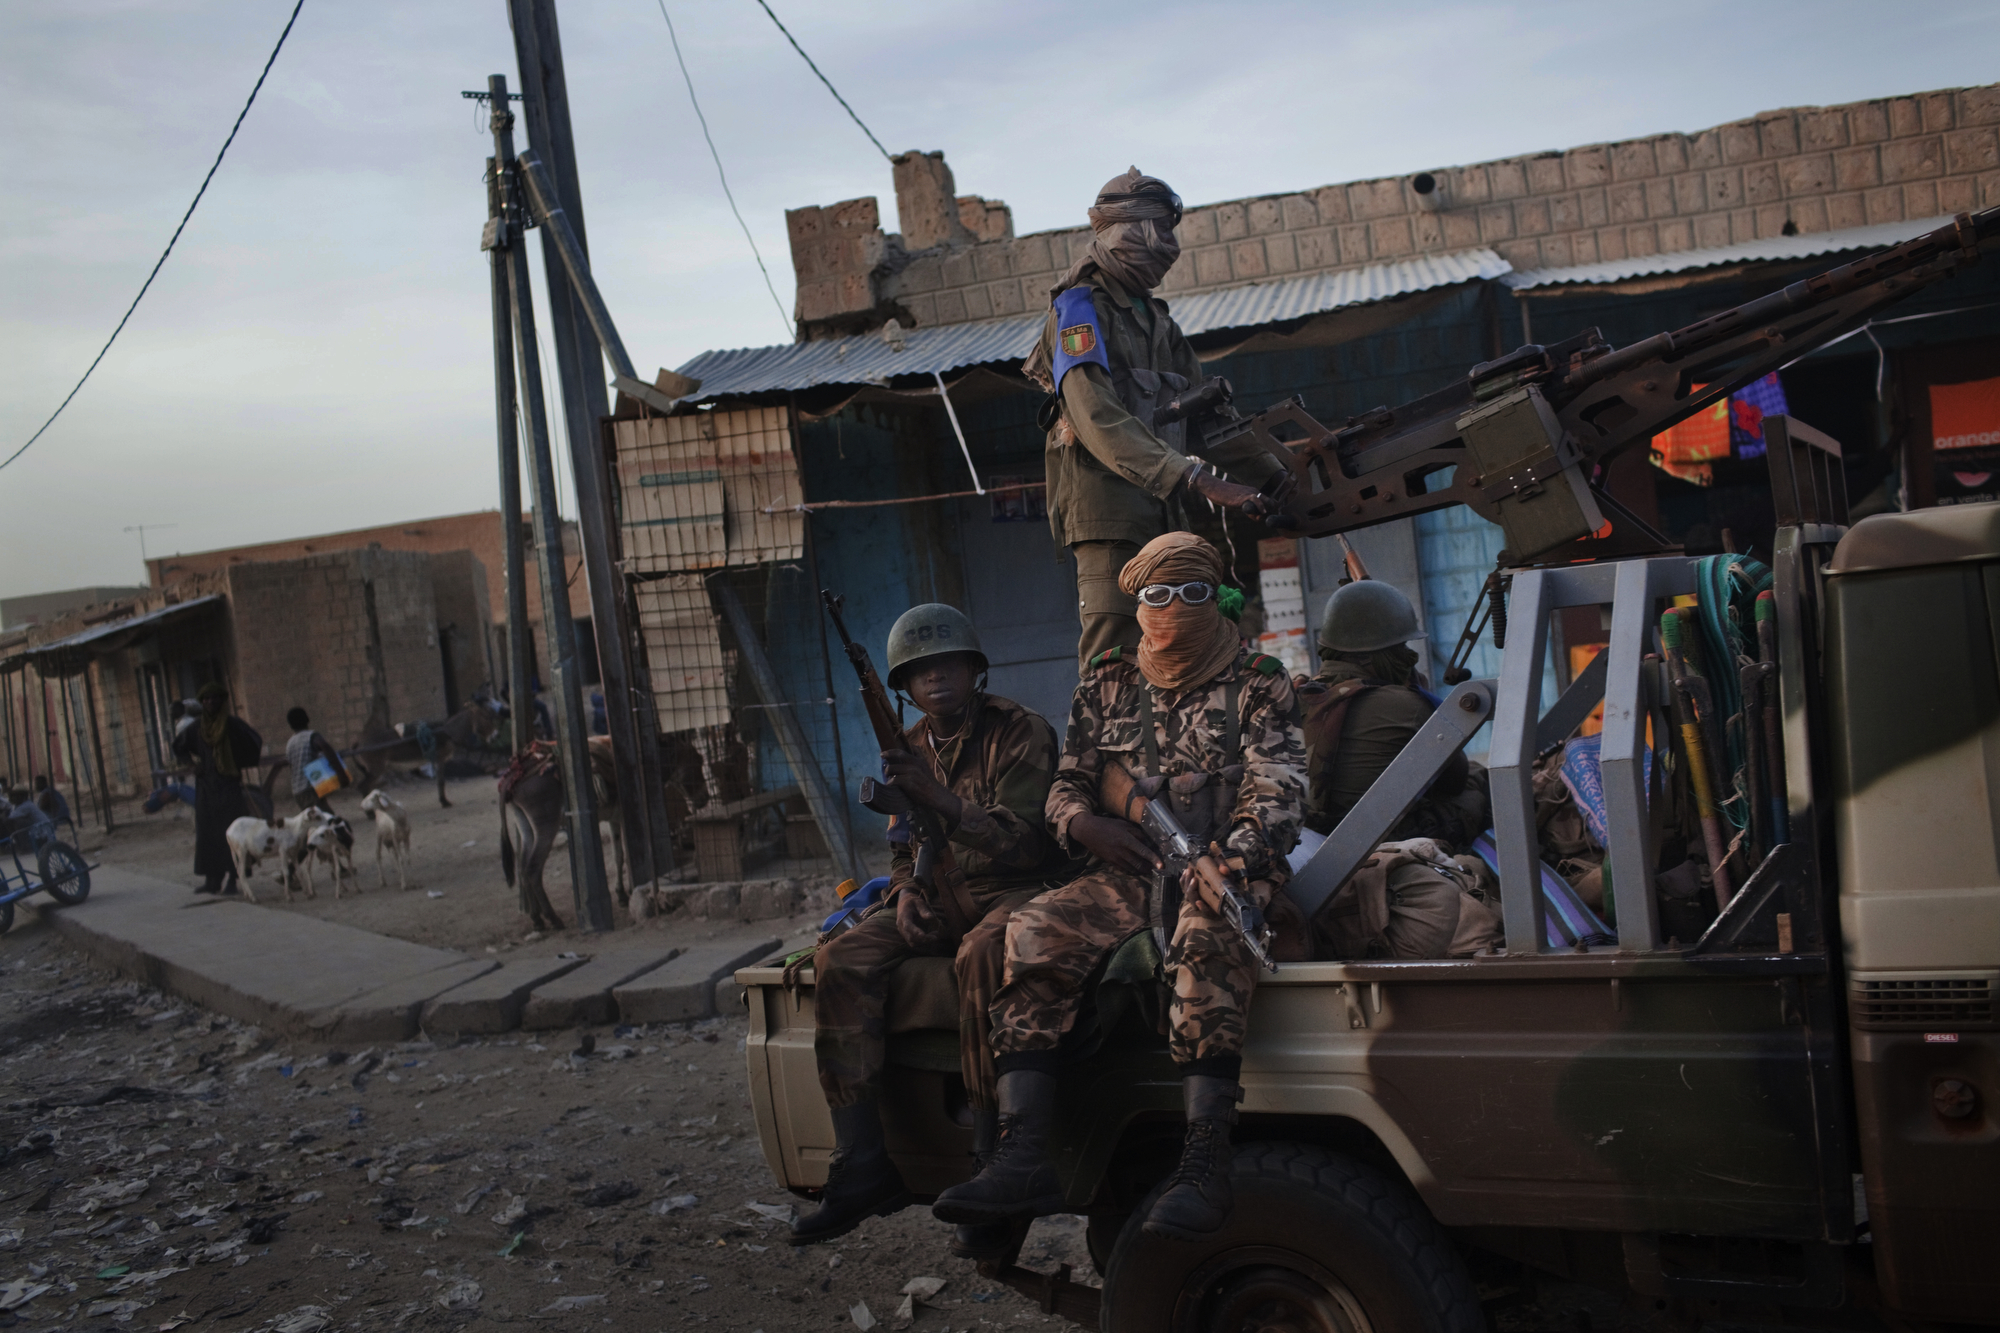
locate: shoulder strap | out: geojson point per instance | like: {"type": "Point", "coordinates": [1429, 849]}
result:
{"type": "Point", "coordinates": [1232, 736]}
{"type": "Point", "coordinates": [1326, 719]}
{"type": "Point", "coordinates": [1146, 726]}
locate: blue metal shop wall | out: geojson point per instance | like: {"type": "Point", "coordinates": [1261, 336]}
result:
{"type": "Point", "coordinates": [1456, 548]}
{"type": "Point", "coordinates": [886, 559]}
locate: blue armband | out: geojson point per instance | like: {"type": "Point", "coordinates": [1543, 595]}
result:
{"type": "Point", "coordinates": [1079, 341]}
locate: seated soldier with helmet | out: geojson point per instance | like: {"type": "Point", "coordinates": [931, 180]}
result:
{"type": "Point", "coordinates": [982, 765]}
{"type": "Point", "coordinates": [1196, 708]}
{"type": "Point", "coordinates": [1412, 898]}
{"type": "Point", "coordinates": [1365, 705]}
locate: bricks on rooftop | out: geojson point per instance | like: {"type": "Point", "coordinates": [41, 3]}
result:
{"type": "Point", "coordinates": [1811, 168]}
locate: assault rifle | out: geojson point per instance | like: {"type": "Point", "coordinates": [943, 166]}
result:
{"type": "Point", "coordinates": [1524, 440]}
{"type": "Point", "coordinates": [1134, 799]}
{"type": "Point", "coordinates": [882, 797]}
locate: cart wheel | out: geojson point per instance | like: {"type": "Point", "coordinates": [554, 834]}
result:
{"type": "Point", "coordinates": [64, 874]}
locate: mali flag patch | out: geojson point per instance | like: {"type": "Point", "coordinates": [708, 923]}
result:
{"type": "Point", "coordinates": [1079, 340]}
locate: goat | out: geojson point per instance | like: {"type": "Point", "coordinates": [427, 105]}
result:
{"type": "Point", "coordinates": [252, 839]}
{"type": "Point", "coordinates": [333, 843]}
{"type": "Point", "coordinates": [392, 830]}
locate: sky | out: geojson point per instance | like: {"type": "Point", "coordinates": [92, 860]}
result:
{"type": "Point", "coordinates": [317, 354]}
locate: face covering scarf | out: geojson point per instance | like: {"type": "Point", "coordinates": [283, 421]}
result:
{"type": "Point", "coordinates": [1134, 220]}
{"type": "Point", "coordinates": [1179, 645]}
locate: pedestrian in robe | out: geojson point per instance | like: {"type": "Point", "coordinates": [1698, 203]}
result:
{"type": "Point", "coordinates": [219, 746]}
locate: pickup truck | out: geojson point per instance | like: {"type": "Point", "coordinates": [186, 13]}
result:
{"type": "Point", "coordinates": [1794, 1113]}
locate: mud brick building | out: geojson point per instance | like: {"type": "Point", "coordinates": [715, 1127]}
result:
{"type": "Point", "coordinates": [86, 698]}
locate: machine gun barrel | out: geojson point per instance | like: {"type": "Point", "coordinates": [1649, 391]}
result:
{"type": "Point", "coordinates": [1520, 437]}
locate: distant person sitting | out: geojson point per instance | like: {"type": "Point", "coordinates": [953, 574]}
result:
{"type": "Point", "coordinates": [165, 790]}
{"type": "Point", "coordinates": [313, 760]}
{"type": "Point", "coordinates": [51, 803]}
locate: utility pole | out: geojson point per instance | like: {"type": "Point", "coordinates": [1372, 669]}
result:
{"type": "Point", "coordinates": [520, 674]}
{"type": "Point", "coordinates": [505, 235]}
{"type": "Point", "coordinates": [580, 371]}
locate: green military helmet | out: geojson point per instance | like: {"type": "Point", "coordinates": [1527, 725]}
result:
{"type": "Point", "coordinates": [1366, 616]}
{"type": "Point", "coordinates": [930, 630]}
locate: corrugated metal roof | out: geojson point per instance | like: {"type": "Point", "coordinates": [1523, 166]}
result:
{"type": "Point", "coordinates": [1316, 293]}
{"type": "Point", "coordinates": [103, 631]}
{"type": "Point", "coordinates": [1877, 237]}
{"type": "Point", "coordinates": [869, 359]}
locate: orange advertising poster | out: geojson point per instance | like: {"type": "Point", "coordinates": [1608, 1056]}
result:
{"type": "Point", "coordinates": [1686, 448]}
{"type": "Point", "coordinates": [1965, 416]}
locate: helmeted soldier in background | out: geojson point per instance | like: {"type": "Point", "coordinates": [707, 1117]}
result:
{"type": "Point", "coordinates": [1365, 705]}
{"type": "Point", "coordinates": [1109, 356]}
{"type": "Point", "coordinates": [982, 765]}
{"type": "Point", "coordinates": [1192, 705]}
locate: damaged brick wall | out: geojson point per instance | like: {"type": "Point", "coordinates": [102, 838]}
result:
{"type": "Point", "coordinates": [1811, 168]}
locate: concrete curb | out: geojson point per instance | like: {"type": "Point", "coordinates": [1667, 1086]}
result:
{"type": "Point", "coordinates": [685, 989]}
{"type": "Point", "coordinates": [583, 997]}
{"type": "Point", "coordinates": [492, 1003]}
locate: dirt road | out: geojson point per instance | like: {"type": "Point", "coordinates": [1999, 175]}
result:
{"type": "Point", "coordinates": [167, 1168]}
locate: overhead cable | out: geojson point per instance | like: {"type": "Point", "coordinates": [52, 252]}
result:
{"type": "Point", "coordinates": [723, 176]}
{"type": "Point", "coordinates": [170, 242]}
{"type": "Point", "coordinates": [823, 79]}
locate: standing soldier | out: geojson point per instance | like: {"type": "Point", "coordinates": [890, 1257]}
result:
{"type": "Point", "coordinates": [982, 764]}
{"type": "Point", "coordinates": [1109, 356]}
{"type": "Point", "coordinates": [1222, 724]}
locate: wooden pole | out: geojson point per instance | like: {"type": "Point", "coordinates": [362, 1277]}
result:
{"type": "Point", "coordinates": [819, 799]}
{"type": "Point", "coordinates": [97, 748]}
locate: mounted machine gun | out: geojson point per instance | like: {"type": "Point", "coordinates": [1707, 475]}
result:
{"type": "Point", "coordinates": [1524, 440]}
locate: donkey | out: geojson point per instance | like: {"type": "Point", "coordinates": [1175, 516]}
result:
{"type": "Point", "coordinates": [531, 813]}
{"type": "Point", "coordinates": [434, 743]}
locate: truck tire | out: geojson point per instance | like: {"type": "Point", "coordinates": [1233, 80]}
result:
{"type": "Point", "coordinates": [1318, 1242]}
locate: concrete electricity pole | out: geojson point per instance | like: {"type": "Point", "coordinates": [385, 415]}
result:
{"type": "Point", "coordinates": [579, 362]}
{"type": "Point", "coordinates": [504, 234]}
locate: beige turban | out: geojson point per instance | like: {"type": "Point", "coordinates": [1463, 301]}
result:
{"type": "Point", "coordinates": [1180, 645]}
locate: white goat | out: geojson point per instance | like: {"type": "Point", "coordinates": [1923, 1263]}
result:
{"type": "Point", "coordinates": [333, 843]}
{"type": "Point", "coordinates": [252, 839]}
{"type": "Point", "coordinates": [392, 830]}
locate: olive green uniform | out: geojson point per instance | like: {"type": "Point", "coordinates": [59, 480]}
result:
{"type": "Point", "coordinates": [1113, 481]}
{"type": "Point", "coordinates": [1379, 722]}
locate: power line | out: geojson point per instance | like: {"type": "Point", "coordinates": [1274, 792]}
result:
{"type": "Point", "coordinates": [724, 176]}
{"type": "Point", "coordinates": [176, 236]}
{"type": "Point", "coordinates": [828, 82]}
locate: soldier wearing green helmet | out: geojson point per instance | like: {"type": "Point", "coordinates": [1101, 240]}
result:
{"type": "Point", "coordinates": [1364, 706]}
{"type": "Point", "coordinates": [982, 765]}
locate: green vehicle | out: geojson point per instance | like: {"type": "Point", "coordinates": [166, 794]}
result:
{"type": "Point", "coordinates": [1788, 1118]}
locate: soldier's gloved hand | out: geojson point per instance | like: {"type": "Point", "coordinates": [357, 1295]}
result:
{"type": "Point", "coordinates": [914, 778]}
{"type": "Point", "coordinates": [1218, 489]}
{"type": "Point", "coordinates": [1248, 842]}
{"type": "Point", "coordinates": [1116, 842]}
{"type": "Point", "coordinates": [916, 921]}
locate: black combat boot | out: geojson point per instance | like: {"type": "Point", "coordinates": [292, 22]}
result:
{"type": "Point", "coordinates": [1198, 1196]}
{"type": "Point", "coordinates": [861, 1181]}
{"type": "Point", "coordinates": [1019, 1180]}
{"type": "Point", "coordinates": [983, 1240]}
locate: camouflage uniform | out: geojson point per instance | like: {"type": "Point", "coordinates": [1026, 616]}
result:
{"type": "Point", "coordinates": [1056, 941]}
{"type": "Point", "coordinates": [1001, 769]}
{"type": "Point", "coordinates": [1112, 482]}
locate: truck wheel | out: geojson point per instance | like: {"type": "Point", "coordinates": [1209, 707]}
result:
{"type": "Point", "coordinates": [1318, 1243]}
{"type": "Point", "coordinates": [1100, 1237]}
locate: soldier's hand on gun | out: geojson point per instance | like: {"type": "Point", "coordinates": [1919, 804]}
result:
{"type": "Point", "coordinates": [1253, 503]}
{"type": "Point", "coordinates": [1115, 842]}
{"type": "Point", "coordinates": [913, 777]}
{"type": "Point", "coordinates": [916, 921]}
